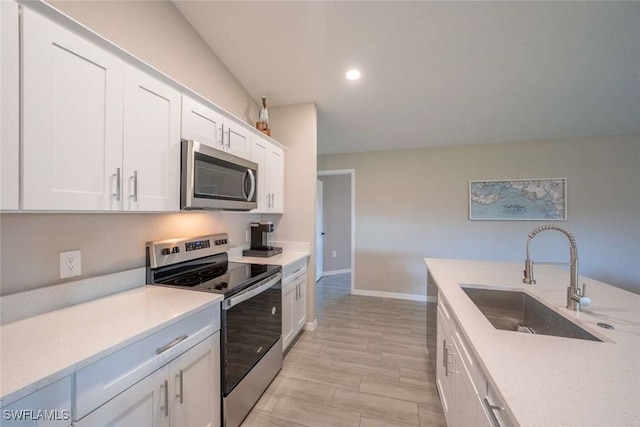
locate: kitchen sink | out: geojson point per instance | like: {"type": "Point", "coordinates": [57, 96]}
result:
{"type": "Point", "coordinates": [518, 311]}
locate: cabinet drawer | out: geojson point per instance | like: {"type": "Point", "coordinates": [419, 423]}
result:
{"type": "Point", "coordinates": [108, 377]}
{"type": "Point", "coordinates": [446, 312]}
{"type": "Point", "coordinates": [466, 356]}
{"type": "Point", "coordinates": [294, 270]}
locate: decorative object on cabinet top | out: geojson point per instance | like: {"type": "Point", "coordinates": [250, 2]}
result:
{"type": "Point", "coordinates": [263, 119]}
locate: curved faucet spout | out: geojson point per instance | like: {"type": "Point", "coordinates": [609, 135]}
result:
{"type": "Point", "coordinates": [573, 292]}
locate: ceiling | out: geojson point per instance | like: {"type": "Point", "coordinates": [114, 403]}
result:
{"type": "Point", "coordinates": [435, 73]}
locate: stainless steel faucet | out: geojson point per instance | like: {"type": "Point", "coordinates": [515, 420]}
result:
{"type": "Point", "coordinates": [575, 295]}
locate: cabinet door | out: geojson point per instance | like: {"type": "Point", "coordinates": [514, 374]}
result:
{"type": "Point", "coordinates": [9, 106]}
{"type": "Point", "coordinates": [275, 169]}
{"type": "Point", "coordinates": [445, 379]}
{"type": "Point", "coordinates": [151, 178]}
{"type": "Point", "coordinates": [259, 152]}
{"type": "Point", "coordinates": [288, 313]}
{"type": "Point", "coordinates": [466, 396]}
{"type": "Point", "coordinates": [201, 123]}
{"type": "Point", "coordinates": [72, 120]}
{"type": "Point", "coordinates": [301, 303]}
{"type": "Point", "coordinates": [237, 139]}
{"type": "Point", "coordinates": [55, 399]}
{"type": "Point", "coordinates": [195, 385]}
{"type": "Point", "coordinates": [145, 404]}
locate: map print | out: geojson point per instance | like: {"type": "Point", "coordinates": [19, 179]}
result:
{"type": "Point", "coordinates": [522, 199]}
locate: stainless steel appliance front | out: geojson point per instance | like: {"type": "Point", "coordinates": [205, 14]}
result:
{"type": "Point", "coordinates": [251, 346]}
{"type": "Point", "coordinates": [215, 180]}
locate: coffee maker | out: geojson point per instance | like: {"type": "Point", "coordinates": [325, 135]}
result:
{"type": "Point", "coordinates": [259, 244]}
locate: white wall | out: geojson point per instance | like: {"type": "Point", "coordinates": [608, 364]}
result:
{"type": "Point", "coordinates": [157, 33]}
{"type": "Point", "coordinates": [296, 127]}
{"type": "Point", "coordinates": [414, 203]}
{"type": "Point", "coordinates": [337, 222]}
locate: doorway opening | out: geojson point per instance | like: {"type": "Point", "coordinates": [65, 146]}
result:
{"type": "Point", "coordinates": [335, 234]}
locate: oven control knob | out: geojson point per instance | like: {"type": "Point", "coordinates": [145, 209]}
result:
{"type": "Point", "coordinates": [175, 250]}
{"type": "Point", "coordinates": [165, 251]}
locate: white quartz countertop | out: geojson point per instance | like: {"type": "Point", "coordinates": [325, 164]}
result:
{"type": "Point", "coordinates": [547, 380]}
{"type": "Point", "coordinates": [284, 259]}
{"type": "Point", "coordinates": [39, 350]}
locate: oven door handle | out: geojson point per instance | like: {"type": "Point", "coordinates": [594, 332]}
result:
{"type": "Point", "coordinates": [252, 291]}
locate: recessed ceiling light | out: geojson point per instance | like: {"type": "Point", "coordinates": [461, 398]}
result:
{"type": "Point", "coordinates": [353, 74]}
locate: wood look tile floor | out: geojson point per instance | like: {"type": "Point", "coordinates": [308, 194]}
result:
{"type": "Point", "coordinates": [364, 366]}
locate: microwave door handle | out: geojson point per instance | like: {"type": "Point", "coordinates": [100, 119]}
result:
{"type": "Point", "coordinates": [244, 184]}
{"type": "Point", "coordinates": [253, 185]}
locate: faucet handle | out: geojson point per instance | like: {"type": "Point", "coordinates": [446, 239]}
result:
{"type": "Point", "coordinates": [585, 301]}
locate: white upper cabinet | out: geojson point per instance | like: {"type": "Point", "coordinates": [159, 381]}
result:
{"type": "Point", "coordinates": [259, 150]}
{"type": "Point", "coordinates": [151, 177]}
{"type": "Point", "coordinates": [9, 106]}
{"type": "Point", "coordinates": [204, 124]}
{"type": "Point", "coordinates": [72, 120]}
{"type": "Point", "coordinates": [275, 169]}
{"type": "Point", "coordinates": [99, 134]}
{"type": "Point", "coordinates": [270, 160]}
{"type": "Point", "coordinates": [237, 138]}
{"type": "Point", "coordinates": [201, 123]}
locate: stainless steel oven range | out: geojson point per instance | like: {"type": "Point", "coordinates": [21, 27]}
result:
{"type": "Point", "coordinates": [251, 330]}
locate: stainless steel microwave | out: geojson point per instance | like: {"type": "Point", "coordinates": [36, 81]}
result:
{"type": "Point", "coordinates": [215, 180]}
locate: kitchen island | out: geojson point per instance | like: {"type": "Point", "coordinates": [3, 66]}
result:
{"type": "Point", "coordinates": [543, 380]}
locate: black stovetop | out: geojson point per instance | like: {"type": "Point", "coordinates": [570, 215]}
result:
{"type": "Point", "coordinates": [212, 274]}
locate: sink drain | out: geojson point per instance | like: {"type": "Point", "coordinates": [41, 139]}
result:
{"type": "Point", "coordinates": [605, 325]}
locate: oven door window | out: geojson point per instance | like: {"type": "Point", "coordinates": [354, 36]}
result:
{"type": "Point", "coordinates": [250, 329]}
{"type": "Point", "coordinates": [218, 179]}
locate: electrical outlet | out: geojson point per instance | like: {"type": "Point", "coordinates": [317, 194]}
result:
{"type": "Point", "coordinates": [334, 254]}
{"type": "Point", "coordinates": [70, 264]}
{"type": "Point", "coordinates": [247, 237]}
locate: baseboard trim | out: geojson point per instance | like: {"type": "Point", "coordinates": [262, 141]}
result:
{"type": "Point", "coordinates": [392, 295]}
{"type": "Point", "coordinates": [334, 272]}
{"type": "Point", "coordinates": [311, 326]}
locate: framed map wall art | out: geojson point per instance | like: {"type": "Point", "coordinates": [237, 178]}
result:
{"type": "Point", "coordinates": [518, 199]}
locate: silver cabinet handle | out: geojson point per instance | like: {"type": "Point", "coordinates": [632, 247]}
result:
{"type": "Point", "coordinates": [491, 408]}
{"type": "Point", "coordinates": [117, 193]}
{"type": "Point", "coordinates": [135, 186]}
{"type": "Point", "coordinates": [296, 271]}
{"type": "Point", "coordinates": [171, 344]}
{"type": "Point", "coordinates": [181, 387]}
{"type": "Point", "coordinates": [221, 141]}
{"type": "Point", "coordinates": [166, 398]}
{"type": "Point", "coordinates": [273, 200]}
{"type": "Point", "coordinates": [297, 290]}
{"type": "Point", "coordinates": [444, 353]}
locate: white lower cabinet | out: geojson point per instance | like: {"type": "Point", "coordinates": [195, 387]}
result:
{"type": "Point", "coordinates": [194, 384]}
{"type": "Point", "coordinates": [9, 105]}
{"type": "Point", "coordinates": [467, 397]}
{"type": "Point", "coordinates": [185, 392]}
{"type": "Point", "coordinates": [141, 405]}
{"type": "Point", "coordinates": [48, 407]}
{"type": "Point", "coordinates": [294, 301]}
